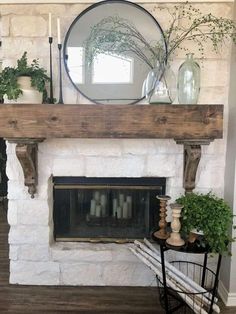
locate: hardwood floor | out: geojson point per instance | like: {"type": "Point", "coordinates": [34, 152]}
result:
{"type": "Point", "coordinates": [88, 300]}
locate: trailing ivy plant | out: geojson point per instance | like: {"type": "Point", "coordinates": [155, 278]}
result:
{"type": "Point", "coordinates": [8, 78]}
{"type": "Point", "coordinates": [209, 214]}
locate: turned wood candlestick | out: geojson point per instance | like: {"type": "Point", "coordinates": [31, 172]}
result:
{"type": "Point", "coordinates": [175, 238]}
{"type": "Point", "coordinates": [161, 233]}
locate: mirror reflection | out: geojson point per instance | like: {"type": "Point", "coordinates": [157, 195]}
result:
{"type": "Point", "coordinates": [109, 50]}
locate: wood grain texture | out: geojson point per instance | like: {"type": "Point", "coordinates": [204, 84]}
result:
{"type": "Point", "coordinates": [111, 121]}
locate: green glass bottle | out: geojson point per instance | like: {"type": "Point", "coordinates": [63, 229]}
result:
{"type": "Point", "coordinates": [188, 81]}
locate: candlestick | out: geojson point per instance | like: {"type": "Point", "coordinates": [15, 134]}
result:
{"type": "Point", "coordinates": [58, 31]}
{"type": "Point", "coordinates": [50, 40]}
{"type": "Point", "coordinates": [60, 101]}
{"type": "Point", "coordinates": [49, 24]}
{"type": "Point", "coordinates": [175, 238]}
{"type": "Point", "coordinates": [161, 233]}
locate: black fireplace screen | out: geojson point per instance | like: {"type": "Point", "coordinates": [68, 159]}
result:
{"type": "Point", "coordinates": [105, 209]}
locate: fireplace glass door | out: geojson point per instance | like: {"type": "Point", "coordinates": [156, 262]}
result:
{"type": "Point", "coordinates": [105, 209]}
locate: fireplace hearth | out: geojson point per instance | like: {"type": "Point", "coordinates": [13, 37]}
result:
{"type": "Point", "coordinates": [105, 209]}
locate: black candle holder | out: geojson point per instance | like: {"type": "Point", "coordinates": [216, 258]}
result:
{"type": "Point", "coordinates": [51, 100]}
{"type": "Point", "coordinates": [60, 101]}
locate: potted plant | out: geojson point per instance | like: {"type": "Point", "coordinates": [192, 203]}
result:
{"type": "Point", "coordinates": [24, 83]}
{"type": "Point", "coordinates": [209, 214]}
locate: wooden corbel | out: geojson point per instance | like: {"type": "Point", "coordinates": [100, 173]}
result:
{"type": "Point", "coordinates": [27, 154]}
{"type": "Point", "coordinates": [192, 156]}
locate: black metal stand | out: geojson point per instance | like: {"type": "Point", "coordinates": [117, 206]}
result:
{"type": "Point", "coordinates": [168, 292]}
{"type": "Point", "coordinates": [50, 40]}
{"type": "Point", "coordinates": [60, 101]}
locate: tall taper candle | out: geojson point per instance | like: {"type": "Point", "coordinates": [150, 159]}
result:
{"type": "Point", "coordinates": [58, 31]}
{"type": "Point", "coordinates": [49, 24]}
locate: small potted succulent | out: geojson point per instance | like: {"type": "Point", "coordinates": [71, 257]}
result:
{"type": "Point", "coordinates": [24, 83]}
{"type": "Point", "coordinates": [210, 215]}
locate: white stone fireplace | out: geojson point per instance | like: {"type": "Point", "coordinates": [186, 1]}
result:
{"type": "Point", "coordinates": [34, 256]}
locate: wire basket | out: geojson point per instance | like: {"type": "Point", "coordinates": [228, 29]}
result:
{"type": "Point", "coordinates": [184, 302]}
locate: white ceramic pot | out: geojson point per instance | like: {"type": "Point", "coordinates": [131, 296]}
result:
{"type": "Point", "coordinates": [30, 94]}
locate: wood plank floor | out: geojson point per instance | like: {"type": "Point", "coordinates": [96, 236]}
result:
{"type": "Point", "coordinates": [88, 300]}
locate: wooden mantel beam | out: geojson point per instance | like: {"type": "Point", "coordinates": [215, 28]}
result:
{"type": "Point", "coordinates": [111, 121]}
{"type": "Point", "coordinates": [189, 125]}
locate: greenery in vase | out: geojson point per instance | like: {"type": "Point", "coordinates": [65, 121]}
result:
{"type": "Point", "coordinates": [115, 35]}
{"type": "Point", "coordinates": [209, 214]}
{"type": "Point", "coordinates": [9, 75]}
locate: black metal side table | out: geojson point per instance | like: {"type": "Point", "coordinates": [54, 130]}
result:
{"type": "Point", "coordinates": [168, 294]}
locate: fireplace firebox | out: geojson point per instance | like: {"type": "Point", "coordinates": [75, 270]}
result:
{"type": "Point", "coordinates": [105, 209]}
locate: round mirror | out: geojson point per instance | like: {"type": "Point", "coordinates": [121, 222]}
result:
{"type": "Point", "coordinates": [109, 50]}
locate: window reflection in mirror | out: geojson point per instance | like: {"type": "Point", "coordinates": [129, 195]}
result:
{"type": "Point", "coordinates": [113, 77]}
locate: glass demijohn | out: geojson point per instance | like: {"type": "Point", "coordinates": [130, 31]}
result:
{"type": "Point", "coordinates": [189, 81]}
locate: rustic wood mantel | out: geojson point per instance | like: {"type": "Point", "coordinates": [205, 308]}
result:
{"type": "Point", "coordinates": [190, 125]}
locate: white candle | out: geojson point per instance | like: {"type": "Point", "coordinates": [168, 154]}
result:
{"type": "Point", "coordinates": [119, 212]}
{"type": "Point", "coordinates": [49, 24]}
{"type": "Point", "coordinates": [114, 207]}
{"type": "Point", "coordinates": [93, 207]}
{"type": "Point", "coordinates": [129, 201]}
{"type": "Point", "coordinates": [125, 210]}
{"type": "Point", "coordinates": [98, 211]}
{"type": "Point", "coordinates": [58, 31]}
{"type": "Point", "coordinates": [121, 199]}
{"type": "Point", "coordinates": [97, 196]}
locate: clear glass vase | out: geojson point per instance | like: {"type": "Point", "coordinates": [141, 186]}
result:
{"type": "Point", "coordinates": [189, 81]}
{"type": "Point", "coordinates": [161, 85]}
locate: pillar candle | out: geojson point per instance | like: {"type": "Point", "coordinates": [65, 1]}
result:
{"type": "Point", "coordinates": [121, 199]}
{"type": "Point", "coordinates": [49, 24]}
{"type": "Point", "coordinates": [58, 31]}
{"type": "Point", "coordinates": [119, 212]}
{"type": "Point", "coordinates": [98, 210]}
{"type": "Point", "coordinates": [114, 207]}
{"type": "Point", "coordinates": [125, 210]}
{"type": "Point", "coordinates": [129, 201]}
{"type": "Point", "coordinates": [92, 207]}
{"type": "Point", "coordinates": [97, 196]}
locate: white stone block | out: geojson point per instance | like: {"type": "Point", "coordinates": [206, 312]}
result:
{"type": "Point", "coordinates": [115, 167]}
{"type": "Point", "coordinates": [73, 167]}
{"type": "Point", "coordinates": [163, 165]}
{"type": "Point", "coordinates": [215, 73]}
{"type": "Point", "coordinates": [13, 168]}
{"type": "Point", "coordinates": [10, 148]}
{"type": "Point", "coordinates": [98, 147]}
{"type": "Point", "coordinates": [127, 274]}
{"type": "Point", "coordinates": [37, 253]}
{"type": "Point", "coordinates": [29, 26]}
{"type": "Point", "coordinates": [28, 235]}
{"type": "Point", "coordinates": [12, 213]}
{"type": "Point", "coordinates": [13, 252]}
{"type": "Point", "coordinates": [80, 252]}
{"type": "Point", "coordinates": [29, 273]}
{"type": "Point", "coordinates": [138, 146]}
{"type": "Point", "coordinates": [33, 212]}
{"type": "Point", "coordinates": [17, 190]}
{"type": "Point", "coordinates": [5, 26]}
{"type": "Point", "coordinates": [121, 253]}
{"type": "Point", "coordinates": [82, 274]}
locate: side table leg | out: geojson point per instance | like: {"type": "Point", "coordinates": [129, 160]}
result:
{"type": "Point", "coordinates": [204, 270]}
{"type": "Point", "coordinates": [215, 283]}
{"type": "Point", "coordinates": [164, 279]}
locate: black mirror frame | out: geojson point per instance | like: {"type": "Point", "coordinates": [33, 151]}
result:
{"type": "Point", "coordinates": [91, 8]}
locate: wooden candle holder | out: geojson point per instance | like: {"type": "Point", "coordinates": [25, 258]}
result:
{"type": "Point", "coordinates": [161, 233]}
{"type": "Point", "coordinates": [175, 238]}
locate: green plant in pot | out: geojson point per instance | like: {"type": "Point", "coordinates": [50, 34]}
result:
{"type": "Point", "coordinates": [24, 82]}
{"type": "Point", "coordinates": [209, 214]}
